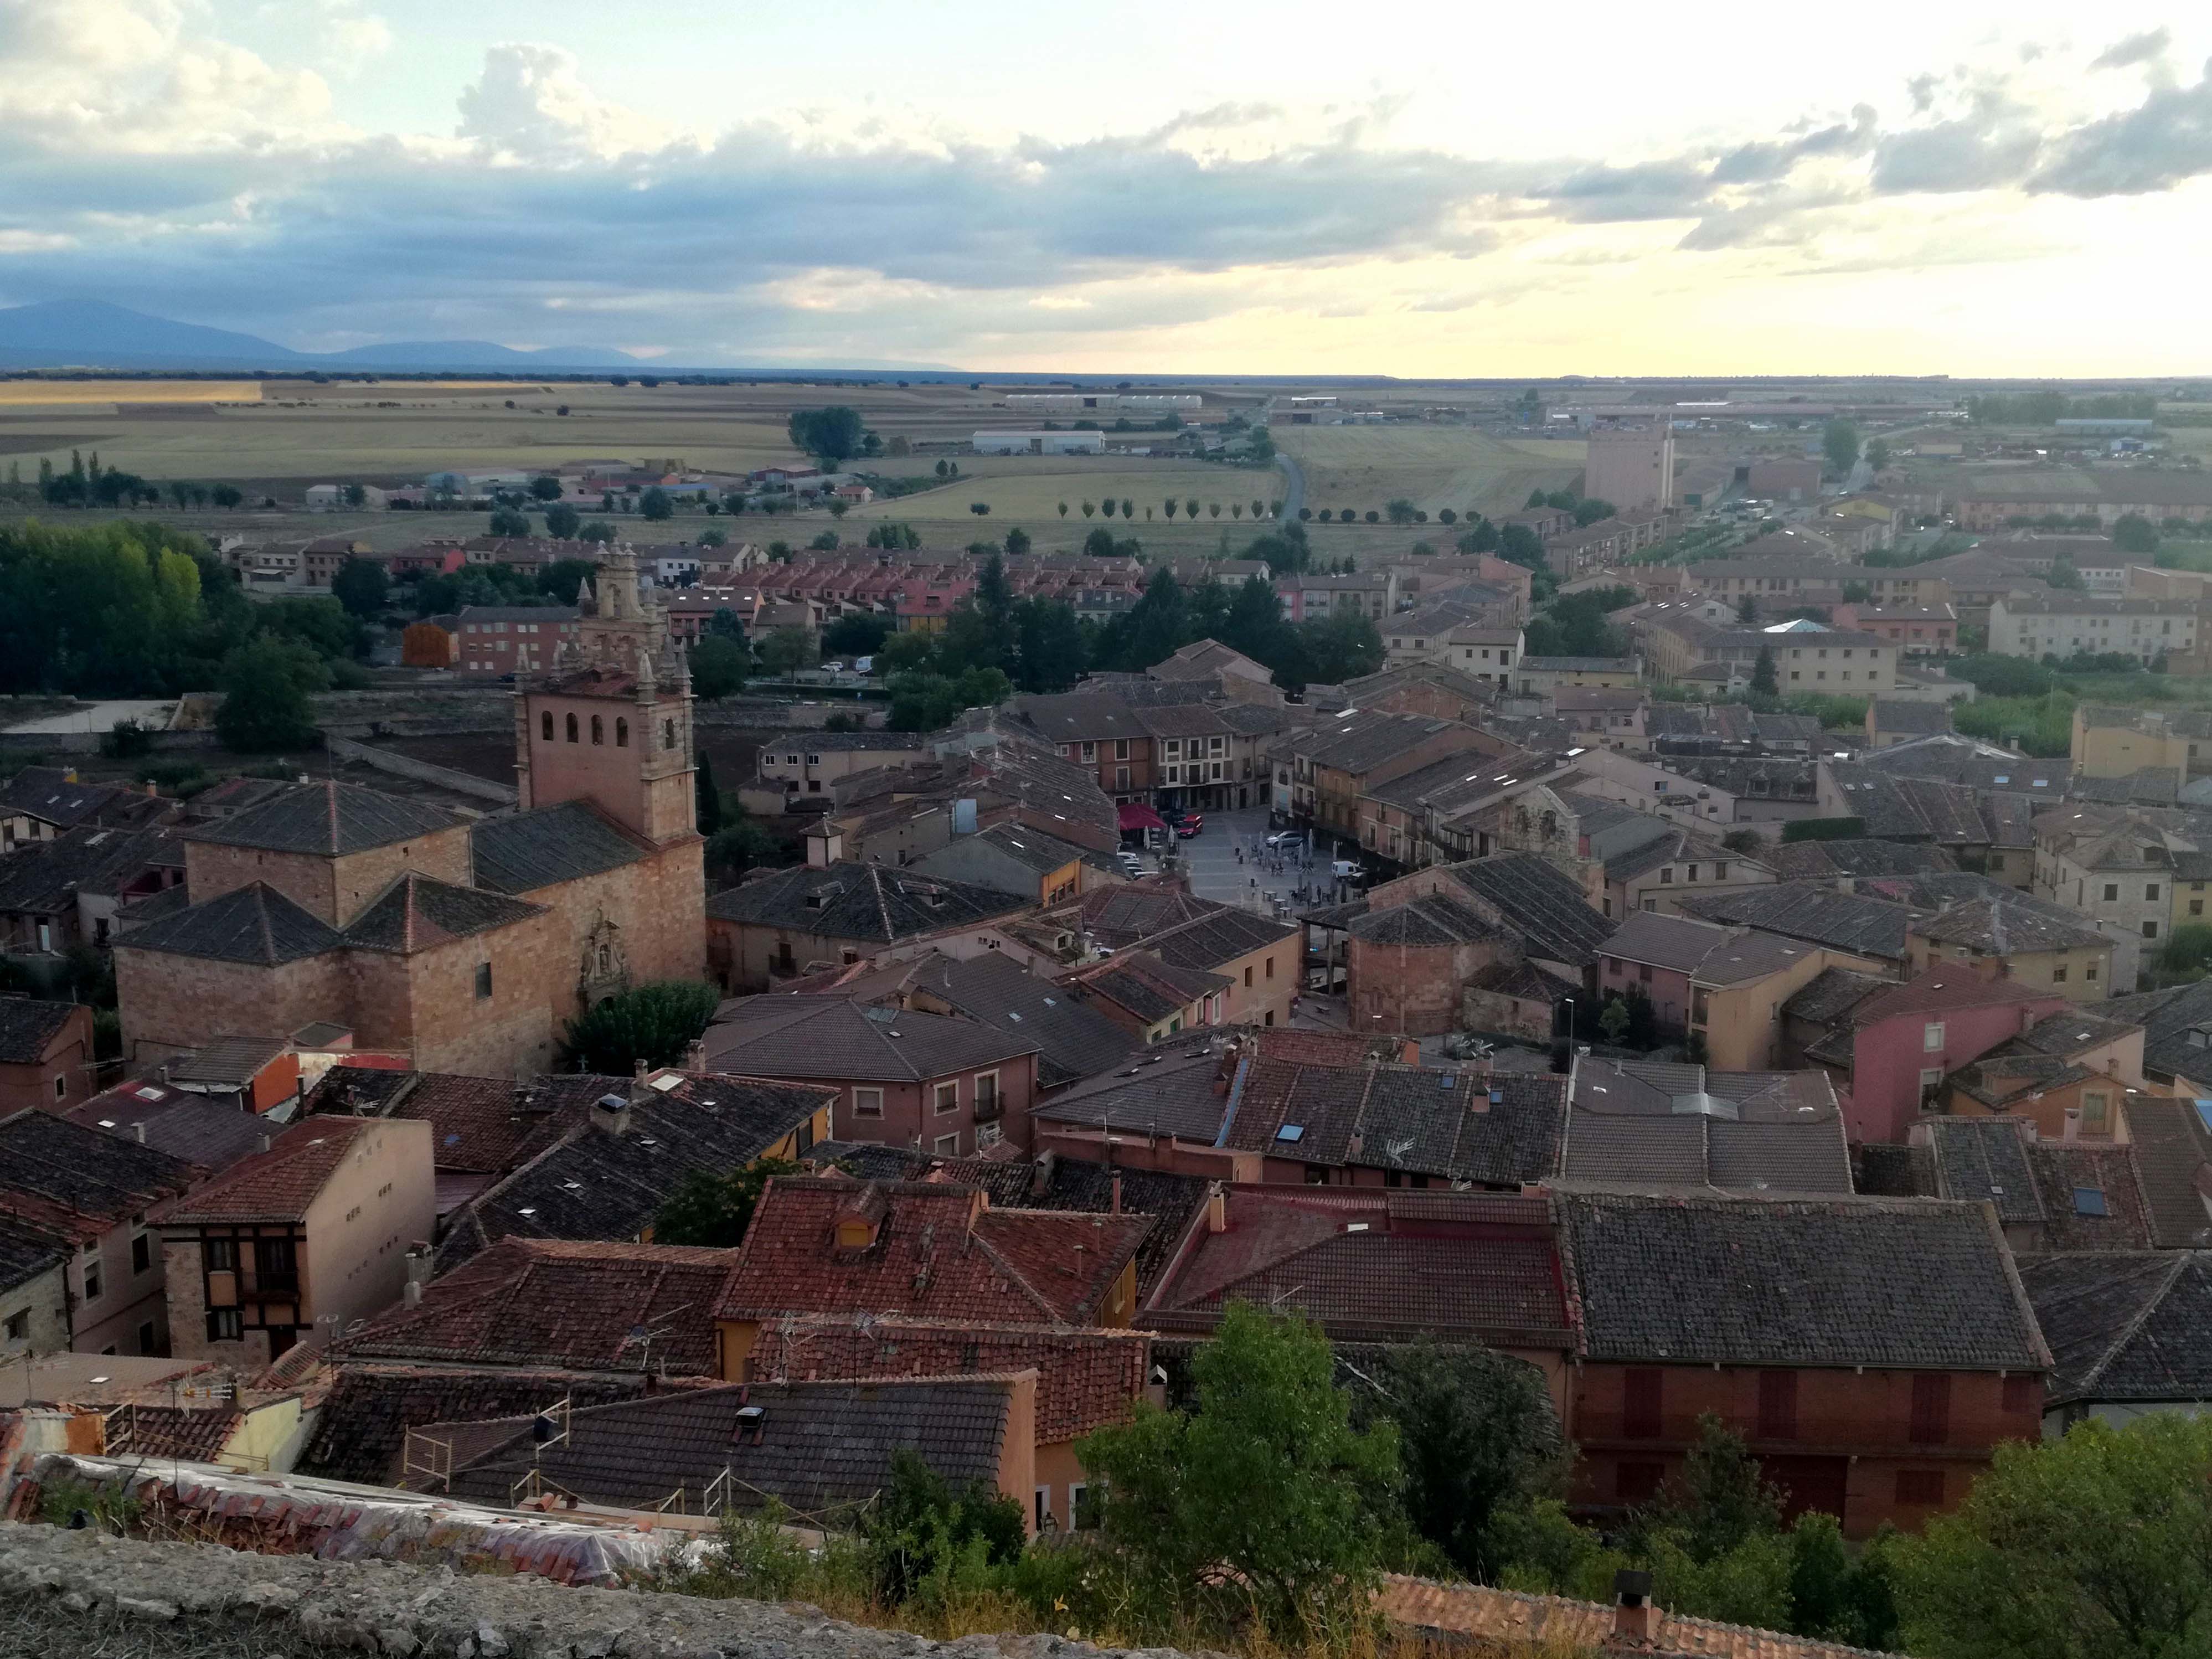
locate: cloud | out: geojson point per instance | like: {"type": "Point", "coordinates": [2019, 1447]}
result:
{"type": "Point", "coordinates": [531, 104]}
{"type": "Point", "coordinates": [2148, 47]}
{"type": "Point", "coordinates": [2164, 141]}
{"type": "Point", "coordinates": [150, 163]}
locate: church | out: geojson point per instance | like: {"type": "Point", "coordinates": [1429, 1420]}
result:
{"type": "Point", "coordinates": [467, 946]}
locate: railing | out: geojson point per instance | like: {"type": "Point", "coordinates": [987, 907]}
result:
{"type": "Point", "coordinates": [989, 1111]}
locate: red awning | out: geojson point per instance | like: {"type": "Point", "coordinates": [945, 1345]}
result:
{"type": "Point", "coordinates": [1136, 816]}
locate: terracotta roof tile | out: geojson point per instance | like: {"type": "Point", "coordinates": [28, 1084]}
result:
{"type": "Point", "coordinates": [276, 1185]}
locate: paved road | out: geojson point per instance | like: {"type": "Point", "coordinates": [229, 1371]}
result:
{"type": "Point", "coordinates": [1217, 873]}
{"type": "Point", "coordinates": [1294, 488]}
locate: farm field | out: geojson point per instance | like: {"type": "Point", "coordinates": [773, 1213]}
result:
{"type": "Point", "coordinates": [1027, 491]}
{"type": "Point", "coordinates": [70, 393]}
{"type": "Point", "coordinates": [1434, 467]}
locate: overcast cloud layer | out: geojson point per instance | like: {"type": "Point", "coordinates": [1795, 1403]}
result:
{"type": "Point", "coordinates": [150, 163]}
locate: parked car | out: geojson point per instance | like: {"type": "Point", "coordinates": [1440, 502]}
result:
{"type": "Point", "coordinates": [1189, 824]}
{"type": "Point", "coordinates": [1130, 862]}
{"type": "Point", "coordinates": [1347, 870]}
{"type": "Point", "coordinates": [1284, 840]}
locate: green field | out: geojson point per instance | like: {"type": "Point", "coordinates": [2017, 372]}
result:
{"type": "Point", "coordinates": [1365, 467]}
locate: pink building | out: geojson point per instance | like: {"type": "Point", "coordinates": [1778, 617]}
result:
{"type": "Point", "coordinates": [1895, 1050]}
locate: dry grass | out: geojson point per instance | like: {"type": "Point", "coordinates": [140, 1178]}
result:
{"type": "Point", "coordinates": [55, 394]}
{"type": "Point", "coordinates": [1434, 467]}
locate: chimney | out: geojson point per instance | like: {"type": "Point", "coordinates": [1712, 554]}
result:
{"type": "Point", "coordinates": [1114, 1206]}
{"type": "Point", "coordinates": [264, 1143]}
{"type": "Point", "coordinates": [610, 1115]}
{"type": "Point", "coordinates": [2072, 1131]}
{"type": "Point", "coordinates": [694, 1055]}
{"type": "Point", "coordinates": [139, 1131]}
{"type": "Point", "coordinates": [824, 847]}
{"type": "Point", "coordinates": [1634, 1618]}
{"type": "Point", "coordinates": [1217, 1209]}
{"type": "Point", "coordinates": [2026, 1019]}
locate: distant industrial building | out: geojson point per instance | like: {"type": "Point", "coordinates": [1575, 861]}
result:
{"type": "Point", "coordinates": [1632, 463]}
{"type": "Point", "coordinates": [1040, 443]}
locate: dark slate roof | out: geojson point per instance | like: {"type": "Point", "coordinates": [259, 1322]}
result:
{"type": "Point", "coordinates": [1033, 848]}
{"type": "Point", "coordinates": [853, 900]}
{"type": "Point", "coordinates": [47, 876]}
{"type": "Point", "coordinates": [1894, 1284]}
{"type": "Point", "coordinates": [2177, 1029]}
{"type": "Point", "coordinates": [1953, 759]}
{"type": "Point", "coordinates": [2126, 1326]}
{"type": "Point", "coordinates": [1435, 919]}
{"type": "Point", "coordinates": [329, 817]}
{"type": "Point", "coordinates": [418, 912]}
{"type": "Point", "coordinates": [1073, 1042]}
{"type": "Point", "coordinates": [210, 1133]}
{"type": "Point", "coordinates": [1832, 993]}
{"type": "Point", "coordinates": [1158, 1092]}
{"type": "Point", "coordinates": [523, 852]}
{"type": "Point", "coordinates": [1813, 860]}
{"type": "Point", "coordinates": [59, 1173]}
{"type": "Point", "coordinates": [1500, 1130]}
{"type": "Point", "coordinates": [594, 1185]}
{"type": "Point", "coordinates": [1844, 921]}
{"type": "Point", "coordinates": [254, 924]}
{"type": "Point", "coordinates": [27, 1251]}
{"type": "Point", "coordinates": [1903, 714]}
{"type": "Point", "coordinates": [1210, 941]}
{"type": "Point", "coordinates": [48, 794]}
{"type": "Point", "coordinates": [1662, 1127]}
{"type": "Point", "coordinates": [1531, 894]}
{"type": "Point", "coordinates": [1148, 987]}
{"type": "Point", "coordinates": [2075, 1177]}
{"type": "Point", "coordinates": [2173, 1151]}
{"type": "Point", "coordinates": [831, 1037]}
{"type": "Point", "coordinates": [1986, 1158]}
{"type": "Point", "coordinates": [361, 1434]}
{"type": "Point", "coordinates": [27, 1025]}
{"type": "Point", "coordinates": [1357, 741]}
{"type": "Point", "coordinates": [824, 1448]}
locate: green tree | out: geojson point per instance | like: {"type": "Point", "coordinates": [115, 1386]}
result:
{"type": "Point", "coordinates": [1590, 510]}
{"type": "Point", "coordinates": [711, 1209]}
{"type": "Point", "coordinates": [787, 650]}
{"type": "Point", "coordinates": [1613, 1022]}
{"type": "Point", "coordinates": [267, 684]}
{"type": "Point", "coordinates": [739, 846]}
{"type": "Point", "coordinates": [1839, 442]}
{"type": "Point", "coordinates": [858, 634]}
{"type": "Point", "coordinates": [1156, 627]}
{"type": "Point", "coordinates": [363, 587]}
{"type": "Point", "coordinates": [596, 530]}
{"type": "Point", "coordinates": [653, 1023]}
{"type": "Point", "coordinates": [545, 487]}
{"type": "Point", "coordinates": [2063, 574]}
{"type": "Point", "coordinates": [1764, 680]}
{"type": "Point", "coordinates": [655, 504]}
{"type": "Point", "coordinates": [562, 521]}
{"type": "Point", "coordinates": [1479, 1441]}
{"type": "Point", "coordinates": [506, 521]}
{"type": "Point", "coordinates": [1877, 454]}
{"type": "Point", "coordinates": [2134, 534]}
{"type": "Point", "coordinates": [1052, 656]}
{"type": "Point", "coordinates": [2099, 1543]}
{"type": "Point", "coordinates": [1265, 1497]}
{"type": "Point", "coordinates": [706, 800]}
{"type": "Point", "coordinates": [832, 435]}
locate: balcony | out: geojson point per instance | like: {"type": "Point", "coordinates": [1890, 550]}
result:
{"type": "Point", "coordinates": [990, 1110]}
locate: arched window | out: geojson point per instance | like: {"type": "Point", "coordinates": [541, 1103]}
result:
{"type": "Point", "coordinates": [599, 730]}
{"type": "Point", "coordinates": [1550, 824]}
{"type": "Point", "coordinates": [572, 728]}
{"type": "Point", "coordinates": [622, 733]}
{"type": "Point", "coordinates": [668, 734]}
{"type": "Point", "coordinates": [546, 726]}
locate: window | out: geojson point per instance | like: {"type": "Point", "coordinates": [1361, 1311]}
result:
{"type": "Point", "coordinates": [986, 1092]}
{"type": "Point", "coordinates": [146, 1343]}
{"type": "Point", "coordinates": [2094, 1103]}
{"type": "Point", "coordinates": [61, 1087]}
{"type": "Point", "coordinates": [91, 1281]}
{"type": "Point", "coordinates": [622, 733]}
{"type": "Point", "coordinates": [2089, 972]}
{"type": "Point", "coordinates": [1720, 871]}
{"type": "Point", "coordinates": [483, 980]}
{"type": "Point", "coordinates": [867, 1102]}
{"type": "Point", "coordinates": [668, 734]}
{"type": "Point", "coordinates": [1271, 968]}
{"type": "Point", "coordinates": [986, 1136]}
{"type": "Point", "coordinates": [598, 731]}
{"type": "Point", "coordinates": [1247, 976]}
{"type": "Point", "coordinates": [1041, 1510]}
{"type": "Point", "coordinates": [1121, 749]}
{"type": "Point", "coordinates": [225, 1324]}
{"type": "Point", "coordinates": [947, 1145]}
{"type": "Point", "coordinates": [948, 1097]}
{"type": "Point", "coordinates": [546, 726]}
{"type": "Point", "coordinates": [1083, 1514]}
{"type": "Point", "coordinates": [1931, 1037]}
{"type": "Point", "coordinates": [1637, 1483]}
{"type": "Point", "coordinates": [142, 1254]}
{"type": "Point", "coordinates": [221, 1256]}
{"type": "Point", "coordinates": [2020, 1394]}
{"type": "Point", "coordinates": [2058, 974]}
{"type": "Point", "coordinates": [572, 728]}
{"type": "Point", "coordinates": [1920, 1486]}
{"type": "Point", "coordinates": [17, 1326]}
{"type": "Point", "coordinates": [1642, 1399]}
{"type": "Point", "coordinates": [2150, 930]}
{"type": "Point", "coordinates": [2112, 892]}
{"type": "Point", "coordinates": [2150, 892]}
{"type": "Point", "coordinates": [1931, 1409]}
{"type": "Point", "coordinates": [1777, 1405]}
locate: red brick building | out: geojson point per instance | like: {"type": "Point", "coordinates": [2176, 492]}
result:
{"type": "Point", "coordinates": [499, 639]}
{"type": "Point", "coordinates": [1873, 1353]}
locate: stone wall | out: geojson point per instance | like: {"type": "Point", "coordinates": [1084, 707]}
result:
{"type": "Point", "coordinates": [86, 1592]}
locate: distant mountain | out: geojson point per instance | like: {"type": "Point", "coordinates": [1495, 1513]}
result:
{"type": "Point", "coordinates": [92, 334]}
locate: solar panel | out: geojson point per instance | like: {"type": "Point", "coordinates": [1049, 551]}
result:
{"type": "Point", "coordinates": [2089, 1200]}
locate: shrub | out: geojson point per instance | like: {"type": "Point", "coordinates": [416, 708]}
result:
{"type": "Point", "coordinates": [653, 1023]}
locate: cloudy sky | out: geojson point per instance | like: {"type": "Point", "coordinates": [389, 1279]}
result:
{"type": "Point", "coordinates": [1410, 189]}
